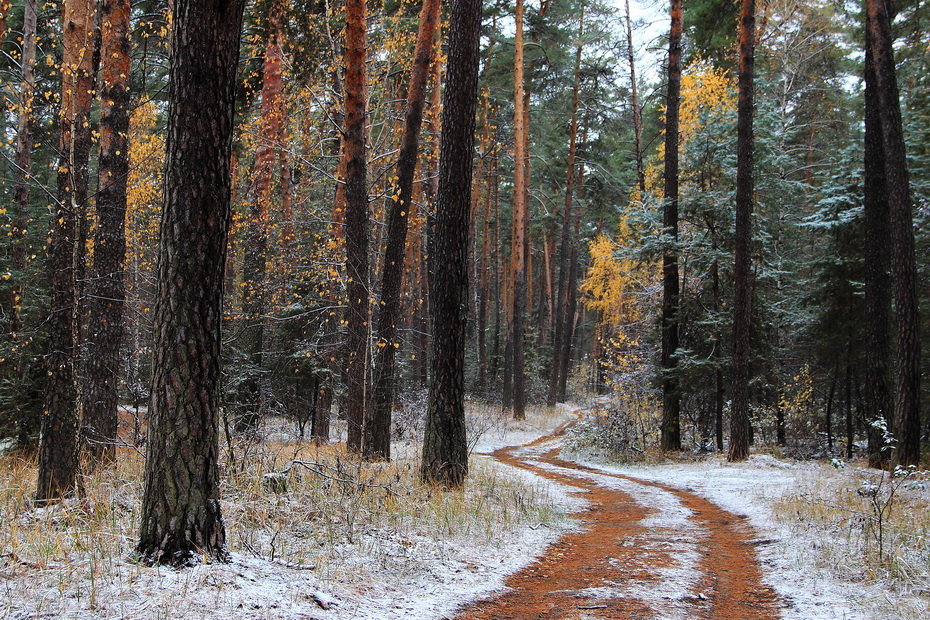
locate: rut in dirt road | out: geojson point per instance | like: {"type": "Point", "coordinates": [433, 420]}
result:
{"type": "Point", "coordinates": [644, 550]}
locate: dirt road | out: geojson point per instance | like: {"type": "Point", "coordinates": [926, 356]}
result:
{"type": "Point", "coordinates": [643, 550]}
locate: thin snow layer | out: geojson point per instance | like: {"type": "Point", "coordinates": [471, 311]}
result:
{"type": "Point", "coordinates": [750, 489]}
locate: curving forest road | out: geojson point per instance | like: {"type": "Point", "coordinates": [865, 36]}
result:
{"type": "Point", "coordinates": [643, 550]}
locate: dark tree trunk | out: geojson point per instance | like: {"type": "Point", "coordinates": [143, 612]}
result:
{"type": "Point", "coordinates": [879, 405]}
{"type": "Point", "coordinates": [181, 519]}
{"type": "Point", "coordinates": [671, 399]}
{"type": "Point", "coordinates": [107, 289]}
{"type": "Point", "coordinates": [718, 355]}
{"type": "Point", "coordinates": [377, 444]}
{"type": "Point", "coordinates": [634, 103]}
{"type": "Point", "coordinates": [740, 432]}
{"type": "Point", "coordinates": [445, 455]}
{"type": "Point", "coordinates": [903, 260]}
{"type": "Point", "coordinates": [828, 419]}
{"type": "Point", "coordinates": [58, 449]}
{"type": "Point", "coordinates": [356, 192]}
{"type": "Point", "coordinates": [567, 244]}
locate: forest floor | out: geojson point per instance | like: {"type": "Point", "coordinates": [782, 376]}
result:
{"type": "Point", "coordinates": [537, 534]}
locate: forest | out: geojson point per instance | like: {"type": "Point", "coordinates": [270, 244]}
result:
{"type": "Point", "coordinates": [496, 296]}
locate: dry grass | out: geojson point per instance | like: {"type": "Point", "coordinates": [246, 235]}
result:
{"type": "Point", "coordinates": [345, 519]}
{"type": "Point", "coordinates": [870, 527]}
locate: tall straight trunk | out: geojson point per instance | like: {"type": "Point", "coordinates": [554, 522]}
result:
{"type": "Point", "coordinates": [742, 274]}
{"type": "Point", "coordinates": [484, 273]}
{"type": "Point", "coordinates": [718, 356]}
{"type": "Point", "coordinates": [518, 240]}
{"type": "Point", "coordinates": [445, 455]}
{"type": "Point", "coordinates": [107, 289]}
{"type": "Point", "coordinates": [879, 405]}
{"type": "Point", "coordinates": [903, 260]}
{"type": "Point", "coordinates": [20, 206]}
{"type": "Point", "coordinates": [634, 100]}
{"type": "Point", "coordinates": [58, 449]}
{"type": "Point", "coordinates": [255, 292]}
{"type": "Point", "coordinates": [181, 519]}
{"type": "Point", "coordinates": [356, 235]}
{"type": "Point", "coordinates": [377, 444]}
{"type": "Point", "coordinates": [828, 413]}
{"type": "Point", "coordinates": [566, 244]}
{"type": "Point", "coordinates": [671, 399]}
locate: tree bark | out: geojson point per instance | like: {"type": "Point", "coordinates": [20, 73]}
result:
{"type": "Point", "coordinates": [445, 455]}
{"type": "Point", "coordinates": [377, 444]}
{"type": "Point", "coordinates": [58, 449]}
{"type": "Point", "coordinates": [878, 267]}
{"type": "Point", "coordinates": [634, 103]}
{"type": "Point", "coordinates": [356, 235]}
{"type": "Point", "coordinates": [903, 260]}
{"type": "Point", "coordinates": [518, 241]}
{"type": "Point", "coordinates": [107, 289]}
{"type": "Point", "coordinates": [181, 519]}
{"type": "Point", "coordinates": [742, 274]}
{"type": "Point", "coordinates": [671, 399]}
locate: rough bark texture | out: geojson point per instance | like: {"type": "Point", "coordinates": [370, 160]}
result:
{"type": "Point", "coordinates": [445, 454]}
{"type": "Point", "coordinates": [671, 400]}
{"type": "Point", "coordinates": [107, 290]}
{"type": "Point", "coordinates": [377, 444]}
{"type": "Point", "coordinates": [356, 230]}
{"type": "Point", "coordinates": [878, 266]}
{"type": "Point", "coordinates": [181, 519]}
{"type": "Point", "coordinates": [518, 239]}
{"type": "Point", "coordinates": [903, 260]}
{"type": "Point", "coordinates": [567, 243]}
{"type": "Point", "coordinates": [59, 444]}
{"type": "Point", "coordinates": [742, 274]}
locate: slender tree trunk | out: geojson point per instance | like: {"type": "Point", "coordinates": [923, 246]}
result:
{"type": "Point", "coordinates": [377, 444]}
{"type": "Point", "coordinates": [356, 189]}
{"type": "Point", "coordinates": [567, 243]}
{"type": "Point", "coordinates": [107, 289]}
{"type": "Point", "coordinates": [58, 449]}
{"type": "Point", "coordinates": [671, 399]}
{"type": "Point", "coordinates": [518, 241]}
{"type": "Point", "coordinates": [445, 456]}
{"type": "Point", "coordinates": [903, 260]}
{"type": "Point", "coordinates": [828, 419]}
{"type": "Point", "coordinates": [742, 273]}
{"type": "Point", "coordinates": [181, 519]}
{"type": "Point", "coordinates": [634, 102]}
{"type": "Point", "coordinates": [254, 264]}
{"type": "Point", "coordinates": [718, 355]}
{"type": "Point", "coordinates": [20, 206]}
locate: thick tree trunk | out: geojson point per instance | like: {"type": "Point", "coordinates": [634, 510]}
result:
{"type": "Point", "coordinates": [518, 239]}
{"type": "Point", "coordinates": [445, 455]}
{"type": "Point", "coordinates": [107, 289]}
{"type": "Point", "coordinates": [58, 458]}
{"type": "Point", "coordinates": [567, 242]}
{"type": "Point", "coordinates": [181, 519]}
{"type": "Point", "coordinates": [742, 274]}
{"type": "Point", "coordinates": [879, 405]}
{"type": "Point", "coordinates": [356, 235]}
{"type": "Point", "coordinates": [377, 444]}
{"type": "Point", "coordinates": [903, 260]}
{"type": "Point", "coordinates": [671, 399]}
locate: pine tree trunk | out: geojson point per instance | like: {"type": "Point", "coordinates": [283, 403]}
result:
{"type": "Point", "coordinates": [356, 192]}
{"type": "Point", "coordinates": [566, 244]}
{"type": "Point", "coordinates": [181, 519]}
{"type": "Point", "coordinates": [671, 399]}
{"type": "Point", "coordinates": [903, 260]}
{"type": "Point", "coordinates": [879, 405]}
{"type": "Point", "coordinates": [742, 274]}
{"type": "Point", "coordinates": [58, 449]}
{"type": "Point", "coordinates": [445, 455]}
{"type": "Point", "coordinates": [107, 289]}
{"type": "Point", "coordinates": [518, 241]}
{"type": "Point", "coordinates": [634, 103]}
{"type": "Point", "coordinates": [377, 444]}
